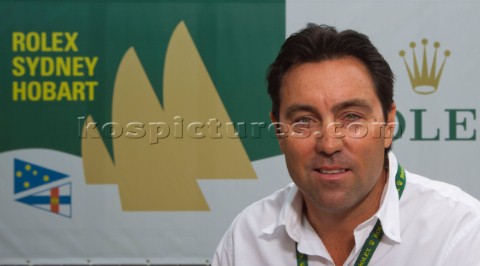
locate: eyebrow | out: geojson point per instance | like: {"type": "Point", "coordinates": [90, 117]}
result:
{"type": "Point", "coordinates": [292, 109]}
{"type": "Point", "coordinates": [358, 103]}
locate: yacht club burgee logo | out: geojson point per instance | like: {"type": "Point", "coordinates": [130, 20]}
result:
{"type": "Point", "coordinates": [39, 187]}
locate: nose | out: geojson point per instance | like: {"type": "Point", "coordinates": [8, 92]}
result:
{"type": "Point", "coordinates": [331, 141]}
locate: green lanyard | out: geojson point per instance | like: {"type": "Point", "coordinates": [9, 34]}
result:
{"type": "Point", "coordinates": [375, 235]}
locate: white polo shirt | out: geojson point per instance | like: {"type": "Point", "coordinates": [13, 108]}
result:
{"type": "Point", "coordinates": [434, 223]}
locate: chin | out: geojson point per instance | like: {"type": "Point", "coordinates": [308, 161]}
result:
{"type": "Point", "coordinates": [334, 203]}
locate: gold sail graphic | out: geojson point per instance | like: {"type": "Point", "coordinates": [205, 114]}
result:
{"type": "Point", "coordinates": [163, 176]}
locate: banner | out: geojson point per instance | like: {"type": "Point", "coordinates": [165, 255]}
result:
{"type": "Point", "coordinates": [135, 131]}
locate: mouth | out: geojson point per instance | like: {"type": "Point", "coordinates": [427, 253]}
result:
{"type": "Point", "coordinates": [332, 173]}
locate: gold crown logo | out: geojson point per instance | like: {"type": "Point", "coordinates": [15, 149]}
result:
{"type": "Point", "coordinates": [425, 81]}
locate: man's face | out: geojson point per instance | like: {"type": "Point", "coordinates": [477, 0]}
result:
{"type": "Point", "coordinates": [336, 139]}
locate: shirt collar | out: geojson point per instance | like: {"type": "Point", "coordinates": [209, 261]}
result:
{"type": "Point", "coordinates": [389, 211]}
{"type": "Point", "coordinates": [290, 215]}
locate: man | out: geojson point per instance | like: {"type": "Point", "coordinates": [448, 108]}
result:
{"type": "Point", "coordinates": [350, 203]}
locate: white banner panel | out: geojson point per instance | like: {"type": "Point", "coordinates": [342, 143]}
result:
{"type": "Point", "coordinates": [97, 231]}
{"type": "Point", "coordinates": [440, 138]}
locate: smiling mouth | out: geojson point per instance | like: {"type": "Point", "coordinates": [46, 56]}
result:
{"type": "Point", "coordinates": [337, 171]}
{"type": "Point", "coordinates": [334, 171]}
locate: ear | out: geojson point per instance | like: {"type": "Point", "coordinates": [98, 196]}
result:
{"type": "Point", "coordinates": [273, 118]}
{"type": "Point", "coordinates": [390, 127]}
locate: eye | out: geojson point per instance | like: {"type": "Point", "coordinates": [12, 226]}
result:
{"type": "Point", "coordinates": [303, 121]}
{"type": "Point", "coordinates": [352, 117]}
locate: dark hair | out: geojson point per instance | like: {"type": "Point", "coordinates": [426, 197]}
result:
{"type": "Point", "coordinates": [317, 43]}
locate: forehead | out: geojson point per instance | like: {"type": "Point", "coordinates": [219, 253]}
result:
{"type": "Point", "coordinates": [329, 81]}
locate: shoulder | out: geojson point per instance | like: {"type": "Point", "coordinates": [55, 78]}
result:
{"type": "Point", "coordinates": [446, 218]}
{"type": "Point", "coordinates": [449, 212]}
{"type": "Point", "coordinates": [266, 211]}
{"type": "Point", "coordinates": [423, 192]}
{"type": "Point", "coordinates": [452, 216]}
{"type": "Point", "coordinates": [244, 236]}
{"type": "Point", "coordinates": [441, 194]}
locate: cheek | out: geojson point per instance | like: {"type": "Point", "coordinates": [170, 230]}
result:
{"type": "Point", "coordinates": [298, 144]}
{"type": "Point", "coordinates": [290, 148]}
{"type": "Point", "coordinates": [379, 135]}
{"type": "Point", "coordinates": [282, 145]}
{"type": "Point", "coordinates": [373, 150]}
{"type": "Point", "coordinates": [297, 151]}
{"type": "Point", "coordinates": [369, 149]}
